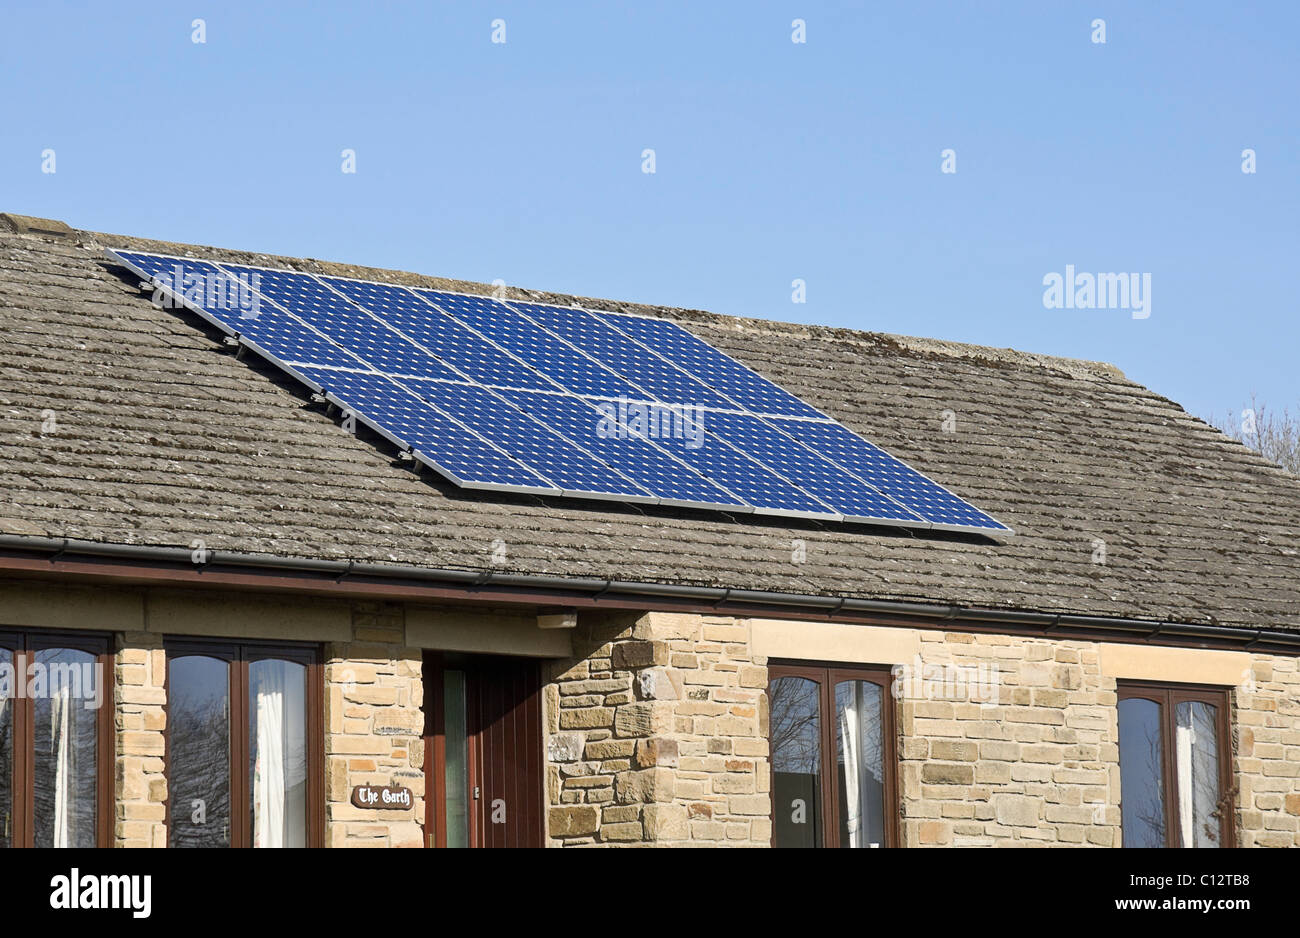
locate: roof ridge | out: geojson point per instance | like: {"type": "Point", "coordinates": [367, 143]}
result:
{"type": "Point", "coordinates": [917, 346]}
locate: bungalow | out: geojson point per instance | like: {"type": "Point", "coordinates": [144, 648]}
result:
{"type": "Point", "coordinates": [285, 629]}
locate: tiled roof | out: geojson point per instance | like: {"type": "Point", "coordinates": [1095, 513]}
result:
{"type": "Point", "coordinates": [161, 436]}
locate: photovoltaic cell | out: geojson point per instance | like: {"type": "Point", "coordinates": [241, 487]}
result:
{"type": "Point", "coordinates": [661, 380]}
{"type": "Point", "coordinates": [547, 353]}
{"type": "Point", "coordinates": [724, 466]}
{"type": "Point", "coordinates": [720, 372]}
{"type": "Point", "coordinates": [530, 442]}
{"type": "Point", "coordinates": [630, 453]}
{"type": "Point", "coordinates": [801, 465]}
{"type": "Point", "coordinates": [443, 336]}
{"type": "Point", "coordinates": [275, 331]}
{"type": "Point", "coordinates": [463, 455]}
{"type": "Point", "coordinates": [335, 316]}
{"type": "Point", "coordinates": [883, 472]}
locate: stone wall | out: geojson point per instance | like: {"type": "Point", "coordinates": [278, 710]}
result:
{"type": "Point", "coordinates": [374, 729]}
{"type": "Point", "coordinates": [1031, 759]}
{"type": "Point", "coordinates": [140, 724]}
{"type": "Point", "coordinates": [656, 733]}
{"type": "Point", "coordinates": [1267, 753]}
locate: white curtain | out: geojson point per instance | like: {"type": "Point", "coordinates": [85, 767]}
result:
{"type": "Point", "coordinates": [60, 743]}
{"type": "Point", "coordinates": [1184, 739]}
{"type": "Point", "coordinates": [1196, 753]}
{"type": "Point", "coordinates": [268, 773]}
{"type": "Point", "coordinates": [851, 740]}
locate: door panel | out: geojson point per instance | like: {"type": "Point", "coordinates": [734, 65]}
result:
{"type": "Point", "coordinates": [484, 747]}
{"type": "Point", "coordinates": [505, 724]}
{"type": "Point", "coordinates": [8, 766]}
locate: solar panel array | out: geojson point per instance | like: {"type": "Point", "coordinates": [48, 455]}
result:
{"type": "Point", "coordinates": [513, 396]}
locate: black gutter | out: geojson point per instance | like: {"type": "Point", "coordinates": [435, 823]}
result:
{"type": "Point", "coordinates": [59, 549]}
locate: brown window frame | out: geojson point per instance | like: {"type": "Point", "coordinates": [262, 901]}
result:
{"type": "Point", "coordinates": [827, 675]}
{"type": "Point", "coordinates": [1168, 696]}
{"type": "Point", "coordinates": [23, 784]}
{"type": "Point", "coordinates": [238, 655]}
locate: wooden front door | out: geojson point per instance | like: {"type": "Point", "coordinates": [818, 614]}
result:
{"type": "Point", "coordinates": [483, 751]}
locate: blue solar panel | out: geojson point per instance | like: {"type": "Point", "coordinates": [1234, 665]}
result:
{"type": "Point", "coordinates": [883, 472]}
{"type": "Point", "coordinates": [527, 440]}
{"type": "Point", "coordinates": [553, 357]}
{"type": "Point", "coordinates": [449, 446]}
{"type": "Point", "coordinates": [630, 453]}
{"type": "Point", "coordinates": [559, 400]}
{"type": "Point", "coordinates": [659, 379]}
{"type": "Point", "coordinates": [713, 458]}
{"type": "Point", "coordinates": [768, 445]}
{"type": "Point", "coordinates": [446, 338]}
{"type": "Point", "coordinates": [335, 316]}
{"type": "Point", "coordinates": [720, 372]}
{"type": "Point", "coordinates": [205, 286]}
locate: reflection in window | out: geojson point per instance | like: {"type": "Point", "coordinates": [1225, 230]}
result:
{"type": "Point", "coordinates": [1197, 757]}
{"type": "Point", "coordinates": [65, 708]}
{"type": "Point", "coordinates": [795, 727]}
{"type": "Point", "coordinates": [456, 754]}
{"type": "Point", "coordinates": [1141, 767]}
{"type": "Point", "coordinates": [860, 758]}
{"type": "Point", "coordinates": [1173, 763]}
{"type": "Point", "coordinates": [199, 736]}
{"type": "Point", "coordinates": [277, 752]}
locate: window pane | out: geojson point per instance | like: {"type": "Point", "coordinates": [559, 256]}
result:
{"type": "Point", "coordinates": [859, 746]}
{"type": "Point", "coordinates": [277, 752]}
{"type": "Point", "coordinates": [198, 731]}
{"type": "Point", "coordinates": [6, 746]}
{"type": "Point", "coordinates": [1196, 753]}
{"type": "Point", "coordinates": [456, 775]}
{"type": "Point", "coordinates": [1141, 771]}
{"type": "Point", "coordinates": [795, 722]}
{"type": "Point", "coordinates": [66, 696]}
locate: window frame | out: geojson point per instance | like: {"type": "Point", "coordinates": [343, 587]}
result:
{"type": "Point", "coordinates": [25, 642]}
{"type": "Point", "coordinates": [1167, 696]}
{"type": "Point", "coordinates": [827, 674]}
{"type": "Point", "coordinates": [238, 655]}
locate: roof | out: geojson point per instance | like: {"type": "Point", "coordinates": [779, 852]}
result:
{"type": "Point", "coordinates": [161, 437]}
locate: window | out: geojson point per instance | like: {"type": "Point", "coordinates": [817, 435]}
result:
{"type": "Point", "coordinates": [245, 735]}
{"type": "Point", "coordinates": [1175, 769]}
{"type": "Point", "coordinates": [56, 777]}
{"type": "Point", "coordinates": [832, 740]}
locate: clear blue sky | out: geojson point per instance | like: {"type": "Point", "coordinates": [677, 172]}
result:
{"type": "Point", "coordinates": [774, 160]}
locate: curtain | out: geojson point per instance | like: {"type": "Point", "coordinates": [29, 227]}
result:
{"type": "Point", "coordinates": [1197, 754]}
{"type": "Point", "coordinates": [60, 714]}
{"type": "Point", "coordinates": [1184, 739]}
{"type": "Point", "coordinates": [851, 741]}
{"type": "Point", "coordinates": [268, 772]}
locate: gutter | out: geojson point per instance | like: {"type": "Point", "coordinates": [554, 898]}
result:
{"type": "Point", "coordinates": [329, 576]}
